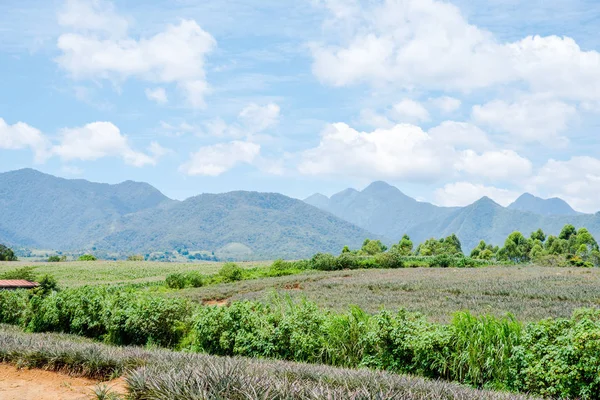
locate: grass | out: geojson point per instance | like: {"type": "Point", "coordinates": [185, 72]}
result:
{"type": "Point", "coordinates": [76, 273]}
{"type": "Point", "coordinates": [161, 374]}
{"type": "Point", "coordinates": [530, 293]}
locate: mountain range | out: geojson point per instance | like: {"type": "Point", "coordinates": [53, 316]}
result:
{"type": "Point", "coordinates": [386, 211]}
{"type": "Point", "coordinates": [45, 212]}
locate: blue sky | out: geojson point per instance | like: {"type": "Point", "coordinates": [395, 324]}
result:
{"type": "Point", "coordinates": [449, 101]}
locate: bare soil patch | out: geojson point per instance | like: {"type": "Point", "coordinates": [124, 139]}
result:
{"type": "Point", "coordinates": [36, 384]}
{"type": "Point", "coordinates": [220, 303]}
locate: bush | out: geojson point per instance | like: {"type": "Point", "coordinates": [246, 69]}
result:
{"type": "Point", "coordinates": [194, 279]}
{"type": "Point", "coordinates": [323, 262]}
{"type": "Point", "coordinates": [25, 273]}
{"type": "Point", "coordinates": [442, 261]}
{"type": "Point", "coordinates": [87, 257]}
{"type": "Point", "coordinates": [231, 272]}
{"type": "Point", "coordinates": [389, 260]}
{"type": "Point", "coordinates": [347, 261]}
{"type": "Point", "coordinates": [135, 257]}
{"type": "Point", "coordinates": [48, 284]}
{"type": "Point", "coordinates": [175, 281]}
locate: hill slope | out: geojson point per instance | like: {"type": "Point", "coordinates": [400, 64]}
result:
{"type": "Point", "coordinates": [553, 206]}
{"type": "Point", "coordinates": [48, 212]}
{"type": "Point", "coordinates": [381, 208]}
{"type": "Point", "coordinates": [271, 224]}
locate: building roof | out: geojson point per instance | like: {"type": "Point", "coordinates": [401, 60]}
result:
{"type": "Point", "coordinates": [17, 283]}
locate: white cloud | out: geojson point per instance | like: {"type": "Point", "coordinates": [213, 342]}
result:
{"type": "Point", "coordinates": [576, 181]}
{"type": "Point", "coordinates": [175, 55]}
{"type": "Point", "coordinates": [529, 119]}
{"type": "Point", "coordinates": [20, 136]}
{"type": "Point", "coordinates": [407, 152]}
{"type": "Point", "coordinates": [260, 118]}
{"type": "Point", "coordinates": [402, 152]}
{"type": "Point", "coordinates": [465, 193]}
{"type": "Point", "coordinates": [92, 15]}
{"type": "Point", "coordinates": [408, 110]}
{"type": "Point", "coordinates": [428, 43]}
{"type": "Point", "coordinates": [503, 164]}
{"type": "Point", "coordinates": [446, 104]}
{"type": "Point", "coordinates": [158, 151]}
{"type": "Point", "coordinates": [158, 95]}
{"type": "Point", "coordinates": [98, 140]}
{"type": "Point", "coordinates": [461, 135]}
{"type": "Point", "coordinates": [216, 159]}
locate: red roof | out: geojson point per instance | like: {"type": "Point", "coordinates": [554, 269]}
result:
{"type": "Point", "coordinates": [17, 283]}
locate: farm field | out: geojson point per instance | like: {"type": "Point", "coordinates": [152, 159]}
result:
{"type": "Point", "coordinates": [529, 293]}
{"type": "Point", "coordinates": [79, 273]}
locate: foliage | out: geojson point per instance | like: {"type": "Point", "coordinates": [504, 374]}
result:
{"type": "Point", "coordinates": [404, 247]}
{"type": "Point", "coordinates": [372, 247]}
{"type": "Point", "coordinates": [87, 257]}
{"type": "Point", "coordinates": [166, 375]}
{"type": "Point", "coordinates": [231, 272]}
{"type": "Point", "coordinates": [7, 254]}
{"type": "Point", "coordinates": [25, 273]}
{"type": "Point", "coordinates": [135, 257]}
{"type": "Point", "coordinates": [450, 246]}
{"type": "Point", "coordinates": [57, 258]}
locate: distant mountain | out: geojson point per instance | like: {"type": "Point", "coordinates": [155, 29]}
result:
{"type": "Point", "coordinates": [385, 210]}
{"type": "Point", "coordinates": [53, 213]}
{"type": "Point", "coordinates": [270, 224]}
{"type": "Point", "coordinates": [380, 208]}
{"type": "Point", "coordinates": [43, 211]}
{"type": "Point", "coordinates": [489, 221]}
{"type": "Point", "coordinates": [553, 206]}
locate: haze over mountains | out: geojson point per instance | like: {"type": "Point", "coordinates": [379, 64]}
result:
{"type": "Point", "coordinates": [45, 212]}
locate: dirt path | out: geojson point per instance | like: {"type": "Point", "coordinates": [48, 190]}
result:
{"type": "Point", "coordinates": [35, 384]}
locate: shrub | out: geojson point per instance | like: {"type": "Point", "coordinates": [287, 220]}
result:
{"type": "Point", "coordinates": [194, 279]}
{"type": "Point", "coordinates": [47, 284]}
{"type": "Point", "coordinates": [25, 273]}
{"type": "Point", "coordinates": [135, 257]}
{"type": "Point", "coordinates": [442, 261]}
{"type": "Point", "coordinates": [347, 260]}
{"type": "Point", "coordinates": [175, 281]}
{"type": "Point", "coordinates": [14, 307]}
{"type": "Point", "coordinates": [323, 262]}
{"type": "Point", "coordinates": [231, 272]}
{"type": "Point", "coordinates": [87, 257]}
{"type": "Point", "coordinates": [389, 260]}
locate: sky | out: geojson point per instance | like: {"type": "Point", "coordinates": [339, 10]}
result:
{"type": "Point", "coordinates": [448, 101]}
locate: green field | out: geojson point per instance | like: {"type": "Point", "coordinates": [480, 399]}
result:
{"type": "Point", "coordinates": [79, 273]}
{"type": "Point", "coordinates": [529, 292]}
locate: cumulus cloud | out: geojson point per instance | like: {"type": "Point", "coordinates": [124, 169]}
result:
{"type": "Point", "coordinates": [216, 159]}
{"type": "Point", "coordinates": [21, 136]}
{"type": "Point", "coordinates": [460, 194]}
{"type": "Point", "coordinates": [407, 152]}
{"type": "Point", "coordinates": [176, 55]}
{"type": "Point", "coordinates": [158, 95]}
{"type": "Point", "coordinates": [461, 135]}
{"type": "Point", "coordinates": [408, 110]}
{"type": "Point", "coordinates": [402, 152]}
{"type": "Point", "coordinates": [529, 119]}
{"type": "Point", "coordinates": [576, 180]}
{"type": "Point", "coordinates": [429, 44]}
{"type": "Point", "coordinates": [98, 140]}
{"type": "Point", "coordinates": [498, 165]}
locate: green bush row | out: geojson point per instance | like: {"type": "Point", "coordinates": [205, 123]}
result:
{"type": "Point", "coordinates": [114, 315]}
{"type": "Point", "coordinates": [555, 357]}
